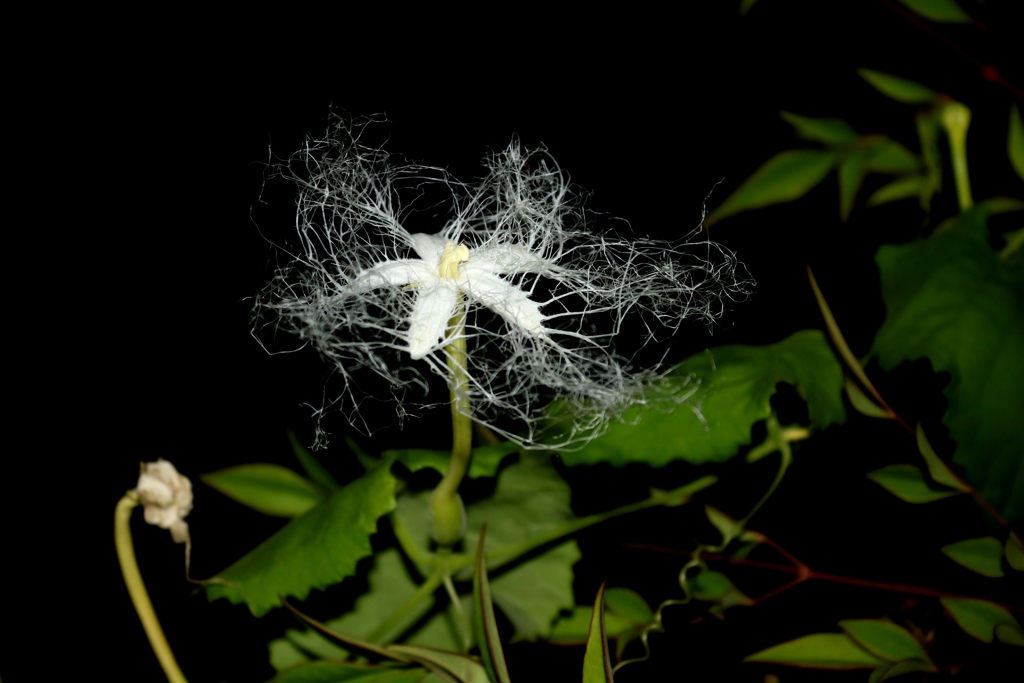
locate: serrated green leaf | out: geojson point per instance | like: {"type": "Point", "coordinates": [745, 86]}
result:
{"type": "Point", "coordinates": [899, 89]}
{"type": "Point", "coordinates": [317, 473]}
{"type": "Point", "coordinates": [951, 300]}
{"type": "Point", "coordinates": [884, 673]}
{"type": "Point", "coordinates": [1014, 551]}
{"type": "Point", "coordinates": [338, 529]}
{"type": "Point", "coordinates": [829, 131]}
{"type": "Point", "coordinates": [889, 156]}
{"type": "Point", "coordinates": [901, 188]}
{"type": "Point", "coordinates": [531, 498]}
{"type": "Point", "coordinates": [484, 624]}
{"type": "Point", "coordinates": [722, 393]}
{"type": "Point", "coordinates": [939, 470]}
{"type": "Point", "coordinates": [267, 488]}
{"type": "Point", "coordinates": [860, 401]}
{"type": "Point", "coordinates": [884, 639]}
{"type": "Point", "coordinates": [907, 483]}
{"type": "Point", "coordinates": [981, 555]}
{"type": "Point", "coordinates": [943, 11]}
{"type": "Point", "coordinates": [484, 462]}
{"type": "Point", "coordinates": [1015, 141]}
{"type": "Point", "coordinates": [852, 170]}
{"type": "Point", "coordinates": [786, 176]}
{"type": "Point", "coordinates": [597, 666]}
{"type": "Point", "coordinates": [979, 618]}
{"type": "Point", "coordinates": [819, 651]}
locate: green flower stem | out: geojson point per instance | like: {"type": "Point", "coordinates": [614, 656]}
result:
{"type": "Point", "coordinates": [447, 513]}
{"type": "Point", "coordinates": [956, 118]}
{"type": "Point", "coordinates": [137, 589]}
{"type": "Point", "coordinates": [425, 590]}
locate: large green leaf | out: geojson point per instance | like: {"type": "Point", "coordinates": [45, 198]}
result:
{"type": "Point", "coordinates": [786, 176]}
{"type": "Point", "coordinates": [982, 555]}
{"type": "Point", "coordinates": [270, 489]}
{"type": "Point", "coordinates": [819, 651]}
{"type": "Point", "coordinates": [729, 389]}
{"type": "Point", "coordinates": [899, 89]}
{"type": "Point", "coordinates": [337, 672]}
{"type": "Point", "coordinates": [984, 620]}
{"type": "Point", "coordinates": [944, 11]}
{"type": "Point", "coordinates": [951, 300]}
{"type": "Point", "coordinates": [315, 550]}
{"type": "Point", "coordinates": [531, 498]}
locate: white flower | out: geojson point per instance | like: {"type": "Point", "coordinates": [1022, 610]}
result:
{"type": "Point", "coordinates": [544, 295]}
{"type": "Point", "coordinates": [166, 497]}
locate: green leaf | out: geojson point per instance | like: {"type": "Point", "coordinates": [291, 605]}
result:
{"type": "Point", "coordinates": [463, 668]}
{"type": "Point", "coordinates": [722, 393]}
{"type": "Point", "coordinates": [885, 639]}
{"type": "Point", "coordinates": [531, 499]}
{"type": "Point", "coordinates": [1014, 551]}
{"type": "Point", "coordinates": [852, 170]}
{"type": "Point", "coordinates": [980, 619]}
{"type": "Point", "coordinates": [270, 489]}
{"type": "Point", "coordinates": [627, 605]}
{"type": "Point", "coordinates": [899, 89]}
{"type": "Point", "coordinates": [338, 672]}
{"type": "Point", "coordinates": [597, 665]}
{"type": "Point", "coordinates": [829, 131]}
{"type": "Point", "coordinates": [901, 188]}
{"type": "Point", "coordinates": [1011, 634]}
{"type": "Point", "coordinates": [316, 550]}
{"type": "Point", "coordinates": [1015, 141]}
{"type": "Point", "coordinates": [981, 555]}
{"type": "Point", "coordinates": [786, 176]}
{"type": "Point", "coordinates": [944, 11]}
{"type": "Point", "coordinates": [907, 483]}
{"type": "Point", "coordinates": [939, 470]}
{"type": "Point", "coordinates": [726, 525]}
{"type": "Point", "coordinates": [860, 401]}
{"type": "Point", "coordinates": [819, 651]}
{"type": "Point", "coordinates": [485, 625]}
{"type": "Point", "coordinates": [483, 463]}
{"type": "Point", "coordinates": [712, 586]}
{"type": "Point", "coordinates": [320, 476]}
{"type": "Point", "coordinates": [951, 300]}
{"type": "Point", "coordinates": [889, 156]}
{"type": "Point", "coordinates": [884, 673]}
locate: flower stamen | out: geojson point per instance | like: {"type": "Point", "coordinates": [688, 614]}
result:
{"type": "Point", "coordinates": [451, 257]}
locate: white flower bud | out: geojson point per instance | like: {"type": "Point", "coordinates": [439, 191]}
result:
{"type": "Point", "coordinates": [166, 497]}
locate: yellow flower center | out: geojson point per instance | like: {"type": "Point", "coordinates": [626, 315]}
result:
{"type": "Point", "coordinates": [451, 257]}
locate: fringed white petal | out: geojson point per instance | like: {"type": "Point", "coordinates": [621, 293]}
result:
{"type": "Point", "coordinates": [505, 299]}
{"type": "Point", "coordinates": [434, 307]}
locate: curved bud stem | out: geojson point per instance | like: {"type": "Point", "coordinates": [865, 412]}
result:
{"type": "Point", "coordinates": [137, 589]}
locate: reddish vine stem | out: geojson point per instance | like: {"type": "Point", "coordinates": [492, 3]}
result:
{"type": "Point", "coordinates": [804, 573]}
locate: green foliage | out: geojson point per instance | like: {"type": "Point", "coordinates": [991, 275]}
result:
{"type": "Point", "coordinates": [485, 625]}
{"type": "Point", "coordinates": [1015, 141]}
{"type": "Point", "coordinates": [945, 11]}
{"type": "Point", "coordinates": [339, 527]}
{"type": "Point", "coordinates": [270, 489]}
{"type": "Point", "coordinates": [337, 672]}
{"type": "Point", "coordinates": [783, 178]}
{"type": "Point", "coordinates": [899, 89]}
{"type": "Point", "coordinates": [728, 390]}
{"type": "Point", "coordinates": [984, 620]}
{"type": "Point", "coordinates": [1014, 551]}
{"type": "Point", "coordinates": [318, 474]}
{"type": "Point", "coordinates": [597, 666]}
{"type": "Point", "coordinates": [886, 640]}
{"type": "Point", "coordinates": [981, 555]}
{"type": "Point", "coordinates": [828, 131]}
{"type": "Point", "coordinates": [950, 299]}
{"type": "Point", "coordinates": [819, 651]}
{"type": "Point", "coordinates": [907, 483]}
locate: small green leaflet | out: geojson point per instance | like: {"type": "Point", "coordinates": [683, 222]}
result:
{"type": "Point", "coordinates": [267, 488]}
{"type": "Point", "coordinates": [907, 483]}
{"type": "Point", "coordinates": [984, 620]}
{"type": "Point", "coordinates": [819, 651]}
{"type": "Point", "coordinates": [981, 555]}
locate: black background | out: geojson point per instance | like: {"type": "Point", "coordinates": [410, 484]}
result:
{"type": "Point", "coordinates": [144, 237]}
